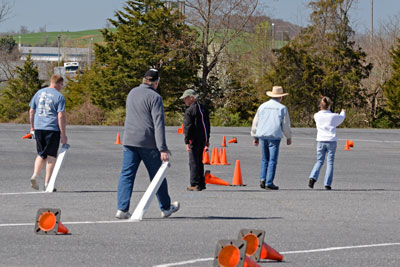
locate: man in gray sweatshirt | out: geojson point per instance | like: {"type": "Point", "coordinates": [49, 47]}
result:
{"type": "Point", "coordinates": [144, 139]}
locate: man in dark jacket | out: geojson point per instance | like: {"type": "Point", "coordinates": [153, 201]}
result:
{"type": "Point", "coordinates": [197, 135]}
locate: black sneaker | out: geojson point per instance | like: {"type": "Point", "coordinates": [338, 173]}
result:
{"type": "Point", "coordinates": [272, 187]}
{"type": "Point", "coordinates": [328, 187]}
{"type": "Point", "coordinates": [311, 183]}
{"type": "Point", "coordinates": [262, 184]}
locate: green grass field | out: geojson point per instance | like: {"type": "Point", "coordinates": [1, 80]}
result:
{"type": "Point", "coordinates": [73, 39]}
{"type": "Point", "coordinates": [82, 39]}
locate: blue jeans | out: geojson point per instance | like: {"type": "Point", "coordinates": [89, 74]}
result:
{"type": "Point", "coordinates": [323, 148]}
{"type": "Point", "coordinates": [130, 164]}
{"type": "Point", "coordinates": [270, 153]}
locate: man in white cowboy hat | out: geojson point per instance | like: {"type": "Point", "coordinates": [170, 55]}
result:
{"type": "Point", "coordinates": [271, 120]}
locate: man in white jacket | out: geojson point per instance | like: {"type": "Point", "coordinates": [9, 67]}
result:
{"type": "Point", "coordinates": [271, 120]}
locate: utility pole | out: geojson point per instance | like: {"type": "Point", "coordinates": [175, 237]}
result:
{"type": "Point", "coordinates": [58, 43]}
{"type": "Point", "coordinates": [272, 36]}
{"type": "Point", "coordinates": [372, 22]}
{"type": "Point", "coordinates": [90, 52]}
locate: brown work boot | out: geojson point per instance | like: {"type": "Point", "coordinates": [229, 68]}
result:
{"type": "Point", "coordinates": [194, 188]}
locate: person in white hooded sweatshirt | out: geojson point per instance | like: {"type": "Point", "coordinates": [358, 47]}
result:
{"type": "Point", "coordinates": [326, 122]}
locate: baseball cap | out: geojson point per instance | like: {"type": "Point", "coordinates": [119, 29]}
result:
{"type": "Point", "coordinates": [188, 92]}
{"type": "Point", "coordinates": [152, 75]}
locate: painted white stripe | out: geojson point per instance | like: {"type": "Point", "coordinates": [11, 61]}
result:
{"type": "Point", "coordinates": [340, 248]}
{"type": "Point", "coordinates": [66, 223]}
{"type": "Point", "coordinates": [287, 252]}
{"type": "Point", "coordinates": [16, 224]}
{"type": "Point", "coordinates": [184, 262]}
{"type": "Point", "coordinates": [355, 140]}
{"type": "Point", "coordinates": [313, 138]}
{"type": "Point", "coordinates": [21, 193]}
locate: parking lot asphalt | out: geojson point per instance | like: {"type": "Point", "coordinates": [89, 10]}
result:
{"type": "Point", "coordinates": [355, 224]}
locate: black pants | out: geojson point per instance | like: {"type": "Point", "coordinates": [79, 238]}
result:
{"type": "Point", "coordinates": [196, 165]}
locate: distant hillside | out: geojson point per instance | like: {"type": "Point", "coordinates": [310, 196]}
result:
{"type": "Point", "coordinates": [283, 30]}
{"type": "Point", "coordinates": [68, 39]}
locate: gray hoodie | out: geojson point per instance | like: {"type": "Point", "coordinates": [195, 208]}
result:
{"type": "Point", "coordinates": [144, 123]}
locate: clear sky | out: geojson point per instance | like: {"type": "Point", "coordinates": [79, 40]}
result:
{"type": "Point", "coordinates": [76, 15]}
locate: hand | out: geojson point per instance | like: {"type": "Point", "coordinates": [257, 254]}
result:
{"type": "Point", "coordinates": [164, 156]}
{"type": "Point", "coordinates": [188, 149]}
{"type": "Point", "coordinates": [255, 142]}
{"type": "Point", "coordinates": [64, 139]}
{"type": "Point", "coordinates": [289, 142]}
{"type": "Point", "coordinates": [206, 148]}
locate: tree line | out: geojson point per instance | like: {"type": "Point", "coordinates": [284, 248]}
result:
{"type": "Point", "coordinates": [211, 49]}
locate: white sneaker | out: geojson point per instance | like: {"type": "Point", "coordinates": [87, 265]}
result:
{"type": "Point", "coordinates": [34, 183]}
{"type": "Point", "coordinates": [173, 208]}
{"type": "Point", "coordinates": [122, 214]}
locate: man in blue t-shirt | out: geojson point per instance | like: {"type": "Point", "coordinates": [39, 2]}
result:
{"type": "Point", "coordinates": [47, 119]}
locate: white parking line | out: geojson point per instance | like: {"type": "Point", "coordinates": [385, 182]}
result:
{"type": "Point", "coordinates": [66, 223]}
{"type": "Point", "coordinates": [22, 193]}
{"type": "Point", "coordinates": [287, 252]}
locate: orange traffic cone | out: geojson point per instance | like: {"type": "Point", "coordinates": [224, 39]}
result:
{"type": "Point", "coordinates": [211, 179]}
{"type": "Point", "coordinates": [237, 175]}
{"type": "Point", "coordinates": [206, 157]}
{"type": "Point", "coordinates": [118, 140]}
{"type": "Point", "coordinates": [254, 239]}
{"type": "Point", "coordinates": [233, 140]}
{"type": "Point", "coordinates": [223, 141]}
{"type": "Point", "coordinates": [270, 254]}
{"type": "Point", "coordinates": [256, 248]}
{"type": "Point", "coordinates": [213, 156]}
{"type": "Point", "coordinates": [48, 222]}
{"type": "Point", "coordinates": [181, 130]}
{"type": "Point", "coordinates": [27, 136]}
{"type": "Point", "coordinates": [223, 158]}
{"type": "Point", "coordinates": [349, 144]}
{"type": "Point", "coordinates": [232, 253]}
{"type": "Point", "coordinates": [216, 157]}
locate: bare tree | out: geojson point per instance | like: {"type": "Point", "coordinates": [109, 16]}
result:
{"type": "Point", "coordinates": [378, 50]}
{"type": "Point", "coordinates": [5, 9]}
{"type": "Point", "coordinates": [219, 23]}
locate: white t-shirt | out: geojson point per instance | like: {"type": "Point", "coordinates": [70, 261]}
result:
{"type": "Point", "coordinates": [326, 124]}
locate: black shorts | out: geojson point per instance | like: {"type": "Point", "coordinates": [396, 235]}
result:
{"type": "Point", "coordinates": [47, 143]}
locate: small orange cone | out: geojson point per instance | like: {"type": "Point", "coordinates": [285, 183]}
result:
{"type": "Point", "coordinates": [181, 130]}
{"type": "Point", "coordinates": [206, 157]}
{"type": "Point", "coordinates": [118, 140]}
{"type": "Point", "coordinates": [27, 136]}
{"type": "Point", "coordinates": [349, 143]}
{"type": "Point", "coordinates": [48, 222]}
{"type": "Point", "coordinates": [237, 175]}
{"type": "Point", "coordinates": [269, 253]}
{"type": "Point", "coordinates": [213, 156]}
{"type": "Point", "coordinates": [231, 253]}
{"type": "Point", "coordinates": [256, 248]}
{"type": "Point", "coordinates": [223, 141]}
{"type": "Point", "coordinates": [216, 157]}
{"type": "Point", "coordinates": [233, 140]}
{"type": "Point", "coordinates": [211, 179]}
{"type": "Point", "coordinates": [223, 158]}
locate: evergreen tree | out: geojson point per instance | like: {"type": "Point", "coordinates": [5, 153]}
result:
{"type": "Point", "coordinates": [391, 89]}
{"type": "Point", "coordinates": [147, 35]}
{"type": "Point", "coordinates": [15, 97]}
{"type": "Point", "coordinates": [322, 61]}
